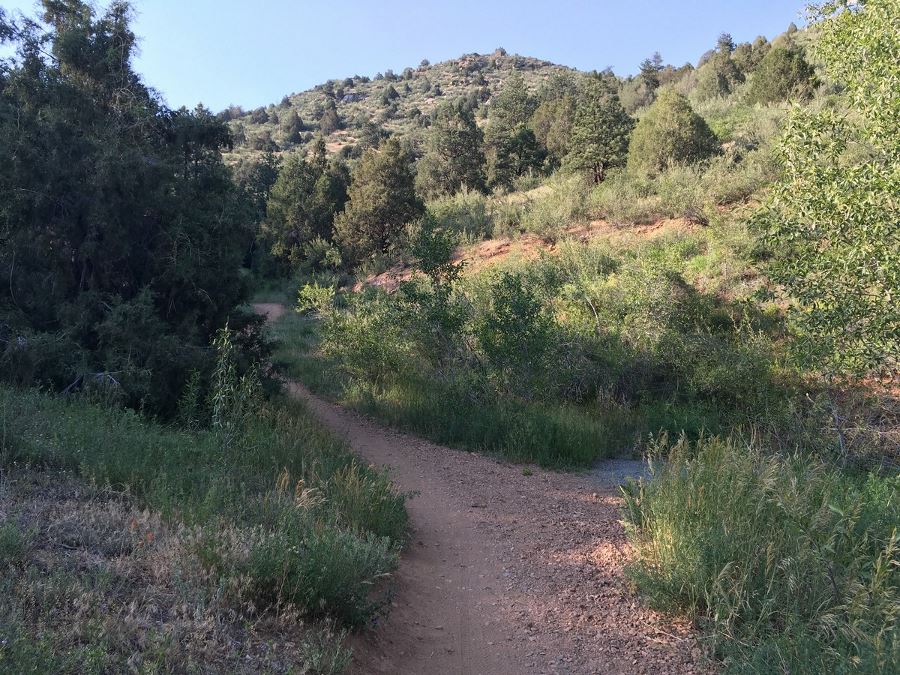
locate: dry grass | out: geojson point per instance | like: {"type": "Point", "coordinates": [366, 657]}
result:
{"type": "Point", "coordinates": [92, 583]}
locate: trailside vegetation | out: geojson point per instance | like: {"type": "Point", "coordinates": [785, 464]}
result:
{"type": "Point", "coordinates": [122, 232]}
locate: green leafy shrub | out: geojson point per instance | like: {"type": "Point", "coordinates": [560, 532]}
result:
{"type": "Point", "coordinates": [514, 332]}
{"type": "Point", "coordinates": [560, 359]}
{"type": "Point", "coordinates": [669, 133]}
{"type": "Point", "coordinates": [831, 219]}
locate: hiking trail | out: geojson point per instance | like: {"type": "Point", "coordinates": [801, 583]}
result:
{"type": "Point", "coordinates": [505, 573]}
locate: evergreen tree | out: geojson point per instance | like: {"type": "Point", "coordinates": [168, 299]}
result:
{"type": "Point", "coordinates": [650, 69]}
{"type": "Point", "coordinates": [382, 200]}
{"type": "Point", "coordinates": [670, 133]}
{"type": "Point", "coordinates": [121, 229]}
{"type": "Point", "coordinates": [720, 75]}
{"type": "Point", "coordinates": [552, 126]}
{"type": "Point", "coordinates": [453, 157]}
{"type": "Point", "coordinates": [293, 128]}
{"type": "Point", "coordinates": [514, 105]}
{"type": "Point", "coordinates": [371, 135]}
{"type": "Point", "coordinates": [511, 148]}
{"type": "Point", "coordinates": [389, 94]}
{"type": "Point", "coordinates": [302, 205]}
{"type": "Point", "coordinates": [601, 131]}
{"type": "Point", "coordinates": [259, 116]}
{"type": "Point", "coordinates": [330, 121]}
{"type": "Point", "coordinates": [782, 74]}
{"type": "Point", "coordinates": [257, 175]}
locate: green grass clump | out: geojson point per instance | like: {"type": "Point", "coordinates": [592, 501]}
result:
{"type": "Point", "coordinates": [467, 213]}
{"type": "Point", "coordinates": [282, 514]}
{"type": "Point", "coordinates": [790, 564]}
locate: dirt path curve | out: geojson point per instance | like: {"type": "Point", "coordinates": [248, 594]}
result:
{"type": "Point", "coordinates": [506, 573]}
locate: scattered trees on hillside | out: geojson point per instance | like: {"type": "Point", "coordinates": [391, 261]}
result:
{"type": "Point", "coordinates": [389, 94]}
{"type": "Point", "coordinates": [670, 133]}
{"type": "Point", "coordinates": [453, 158]}
{"type": "Point", "coordinates": [382, 200]}
{"type": "Point", "coordinates": [601, 131]}
{"type": "Point", "coordinates": [832, 219]}
{"type": "Point", "coordinates": [720, 74]}
{"type": "Point", "coordinates": [259, 116]}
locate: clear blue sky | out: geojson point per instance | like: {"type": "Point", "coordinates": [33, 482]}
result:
{"type": "Point", "coordinates": [253, 52]}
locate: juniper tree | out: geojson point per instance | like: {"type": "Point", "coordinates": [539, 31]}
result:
{"type": "Point", "coordinates": [601, 130]}
{"type": "Point", "coordinates": [382, 200]}
{"type": "Point", "coordinates": [454, 157]}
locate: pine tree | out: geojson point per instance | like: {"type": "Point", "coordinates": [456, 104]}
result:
{"type": "Point", "coordinates": [601, 131]}
{"type": "Point", "coordinates": [511, 148]}
{"type": "Point", "coordinates": [650, 69]}
{"type": "Point", "coordinates": [382, 200]}
{"type": "Point", "coordinates": [453, 158]}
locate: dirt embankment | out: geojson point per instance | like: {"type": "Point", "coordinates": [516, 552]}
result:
{"type": "Point", "coordinates": [528, 247]}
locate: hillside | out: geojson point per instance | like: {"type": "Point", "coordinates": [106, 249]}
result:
{"type": "Point", "coordinates": [492, 366]}
{"type": "Point", "coordinates": [360, 102]}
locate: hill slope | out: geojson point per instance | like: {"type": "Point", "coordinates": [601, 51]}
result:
{"type": "Point", "coordinates": [359, 100]}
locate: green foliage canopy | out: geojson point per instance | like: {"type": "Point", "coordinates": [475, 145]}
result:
{"type": "Point", "coordinates": [782, 74]}
{"type": "Point", "coordinates": [511, 148]}
{"type": "Point", "coordinates": [453, 157]}
{"type": "Point", "coordinates": [121, 230]}
{"type": "Point", "coordinates": [832, 219]}
{"type": "Point", "coordinates": [382, 201]}
{"type": "Point", "coordinates": [302, 205]}
{"type": "Point", "coordinates": [601, 130]}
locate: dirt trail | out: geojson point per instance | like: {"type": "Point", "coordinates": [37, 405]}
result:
{"type": "Point", "coordinates": [506, 573]}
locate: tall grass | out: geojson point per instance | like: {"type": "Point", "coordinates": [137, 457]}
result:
{"type": "Point", "coordinates": [791, 565]}
{"type": "Point", "coordinates": [284, 507]}
{"type": "Point", "coordinates": [695, 192]}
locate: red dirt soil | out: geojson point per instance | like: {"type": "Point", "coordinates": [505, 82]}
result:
{"type": "Point", "coordinates": [528, 247]}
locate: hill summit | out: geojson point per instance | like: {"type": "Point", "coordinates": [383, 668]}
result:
{"type": "Point", "coordinates": [352, 111]}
